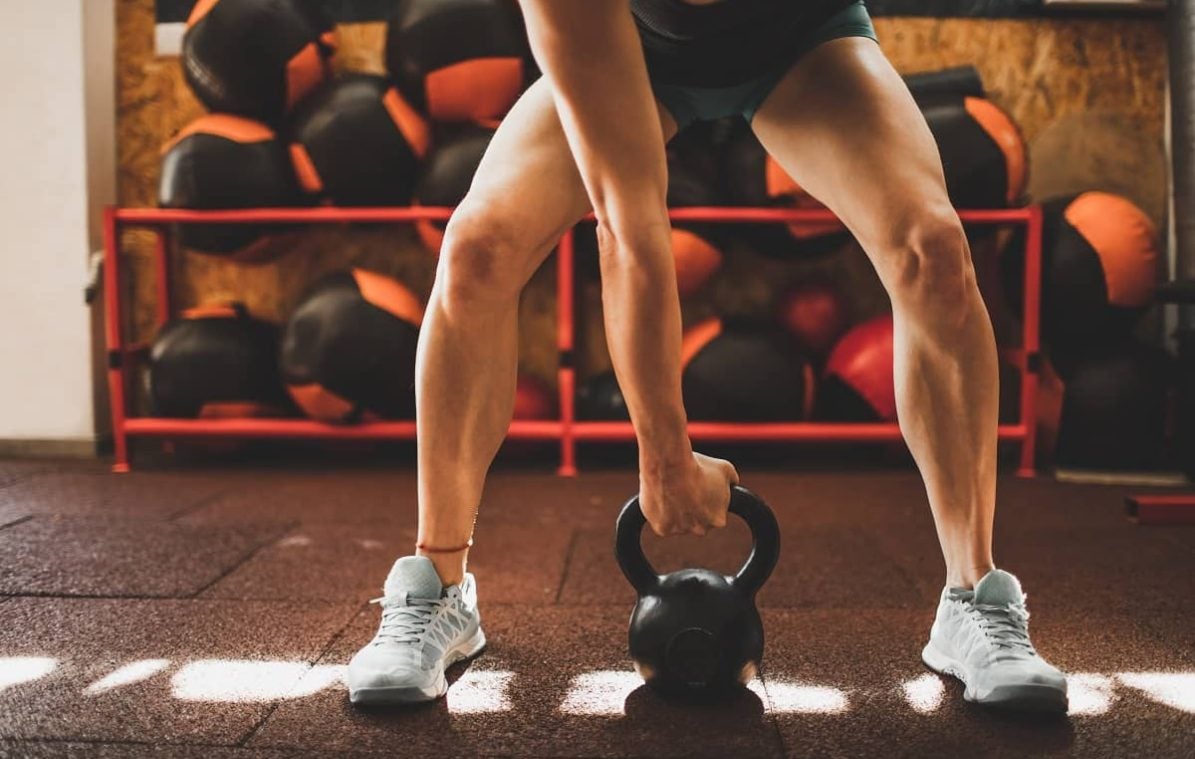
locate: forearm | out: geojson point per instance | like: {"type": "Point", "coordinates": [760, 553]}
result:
{"type": "Point", "coordinates": [590, 52]}
{"type": "Point", "coordinates": [643, 333]}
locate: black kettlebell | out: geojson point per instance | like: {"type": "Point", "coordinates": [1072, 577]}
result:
{"type": "Point", "coordinates": [696, 633]}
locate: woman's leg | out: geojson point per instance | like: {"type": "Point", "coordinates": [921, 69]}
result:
{"type": "Point", "coordinates": [844, 126]}
{"type": "Point", "coordinates": [526, 193]}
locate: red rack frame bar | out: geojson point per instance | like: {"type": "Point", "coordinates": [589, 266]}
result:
{"type": "Point", "coordinates": [567, 430]}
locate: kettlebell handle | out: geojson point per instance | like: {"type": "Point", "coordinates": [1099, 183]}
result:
{"type": "Point", "coordinates": [765, 543]}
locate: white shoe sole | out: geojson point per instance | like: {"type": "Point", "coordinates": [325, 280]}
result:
{"type": "Point", "coordinates": [1030, 697]}
{"type": "Point", "coordinates": [413, 694]}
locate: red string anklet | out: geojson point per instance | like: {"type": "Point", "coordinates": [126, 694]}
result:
{"type": "Point", "coordinates": [433, 549]}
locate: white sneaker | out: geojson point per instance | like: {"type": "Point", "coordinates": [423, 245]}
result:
{"type": "Point", "coordinates": [425, 629]}
{"type": "Point", "coordinates": [982, 638]}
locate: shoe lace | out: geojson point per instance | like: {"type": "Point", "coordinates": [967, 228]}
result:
{"type": "Point", "coordinates": [1006, 626]}
{"type": "Point", "coordinates": [405, 619]}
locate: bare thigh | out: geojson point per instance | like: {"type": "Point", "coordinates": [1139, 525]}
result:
{"type": "Point", "coordinates": [843, 124]}
{"type": "Point", "coordinates": [527, 190]}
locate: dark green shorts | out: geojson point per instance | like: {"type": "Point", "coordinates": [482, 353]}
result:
{"type": "Point", "coordinates": [690, 104]}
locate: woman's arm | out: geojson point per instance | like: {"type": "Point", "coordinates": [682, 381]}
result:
{"type": "Point", "coordinates": [590, 52]}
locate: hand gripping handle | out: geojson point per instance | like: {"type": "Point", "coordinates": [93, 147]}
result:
{"type": "Point", "coordinates": [765, 543]}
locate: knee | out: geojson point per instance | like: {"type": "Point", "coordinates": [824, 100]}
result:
{"type": "Point", "coordinates": [476, 270]}
{"type": "Point", "coordinates": [932, 274]}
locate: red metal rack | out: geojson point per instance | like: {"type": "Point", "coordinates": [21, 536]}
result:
{"type": "Point", "coordinates": [567, 429]}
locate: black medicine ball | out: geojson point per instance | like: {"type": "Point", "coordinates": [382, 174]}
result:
{"type": "Point", "coordinates": [600, 398]}
{"type": "Point", "coordinates": [447, 175]}
{"type": "Point", "coordinates": [348, 351]}
{"type": "Point", "coordinates": [1114, 408]}
{"type": "Point", "coordinates": [356, 142]}
{"type": "Point", "coordinates": [1100, 255]}
{"type": "Point", "coordinates": [225, 162]}
{"type": "Point", "coordinates": [458, 60]}
{"type": "Point", "coordinates": [983, 153]}
{"type": "Point", "coordinates": [743, 372]}
{"type": "Point", "coordinates": [256, 58]}
{"type": "Point", "coordinates": [215, 361]}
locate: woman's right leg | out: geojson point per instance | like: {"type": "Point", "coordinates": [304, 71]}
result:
{"type": "Point", "coordinates": [527, 192]}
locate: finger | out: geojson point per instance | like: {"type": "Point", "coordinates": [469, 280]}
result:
{"type": "Point", "coordinates": [731, 473]}
{"type": "Point", "coordinates": [718, 521]}
{"type": "Point", "coordinates": [698, 530]}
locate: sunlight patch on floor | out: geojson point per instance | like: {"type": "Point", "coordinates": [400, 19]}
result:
{"type": "Point", "coordinates": [1174, 689]}
{"type": "Point", "coordinates": [15, 670]}
{"type": "Point", "coordinates": [231, 680]}
{"type": "Point", "coordinates": [133, 672]}
{"type": "Point", "coordinates": [924, 694]}
{"type": "Point", "coordinates": [1089, 693]}
{"type": "Point", "coordinates": [599, 693]}
{"type": "Point", "coordinates": [480, 692]}
{"type": "Point", "coordinates": [803, 698]}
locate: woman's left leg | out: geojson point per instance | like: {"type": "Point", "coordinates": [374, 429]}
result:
{"type": "Point", "coordinates": [844, 125]}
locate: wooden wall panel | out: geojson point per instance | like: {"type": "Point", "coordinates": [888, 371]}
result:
{"type": "Point", "coordinates": [1088, 95]}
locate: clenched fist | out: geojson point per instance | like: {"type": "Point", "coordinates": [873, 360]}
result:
{"type": "Point", "coordinates": [687, 498]}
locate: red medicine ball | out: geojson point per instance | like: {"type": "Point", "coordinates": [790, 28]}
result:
{"type": "Point", "coordinates": [815, 314]}
{"type": "Point", "coordinates": [859, 381]}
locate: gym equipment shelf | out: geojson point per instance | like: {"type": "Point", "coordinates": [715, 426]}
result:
{"type": "Point", "coordinates": [567, 430]}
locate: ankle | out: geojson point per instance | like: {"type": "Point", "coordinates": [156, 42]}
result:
{"type": "Point", "coordinates": [966, 576]}
{"type": "Point", "coordinates": [450, 565]}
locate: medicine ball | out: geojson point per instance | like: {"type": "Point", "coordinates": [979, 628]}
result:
{"type": "Point", "coordinates": [1099, 269]}
{"type": "Point", "coordinates": [357, 142]}
{"type": "Point", "coordinates": [983, 153]}
{"type": "Point", "coordinates": [220, 161]}
{"type": "Point", "coordinates": [752, 178]}
{"type": "Point", "coordinates": [256, 58]}
{"type": "Point", "coordinates": [446, 176]}
{"type": "Point", "coordinates": [458, 60]}
{"type": "Point", "coordinates": [858, 383]}
{"type": "Point", "coordinates": [348, 351]}
{"type": "Point", "coordinates": [533, 399]}
{"type": "Point", "coordinates": [599, 398]}
{"type": "Point", "coordinates": [1114, 408]}
{"type": "Point", "coordinates": [957, 81]}
{"type": "Point", "coordinates": [815, 314]}
{"type": "Point", "coordinates": [695, 246]}
{"type": "Point", "coordinates": [215, 361]}
{"type": "Point", "coordinates": [743, 372]}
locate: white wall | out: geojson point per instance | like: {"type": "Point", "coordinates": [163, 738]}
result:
{"type": "Point", "coordinates": [56, 172]}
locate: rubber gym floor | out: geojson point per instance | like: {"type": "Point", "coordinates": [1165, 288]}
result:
{"type": "Point", "coordinates": [208, 612]}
